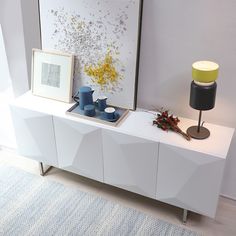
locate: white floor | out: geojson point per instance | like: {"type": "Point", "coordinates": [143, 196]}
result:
{"type": "Point", "coordinates": [223, 225]}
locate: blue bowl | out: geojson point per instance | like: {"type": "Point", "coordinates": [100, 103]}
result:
{"type": "Point", "coordinates": [113, 119]}
{"type": "Point", "coordinates": [89, 110]}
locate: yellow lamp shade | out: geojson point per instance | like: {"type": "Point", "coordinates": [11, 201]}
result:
{"type": "Point", "coordinates": [205, 71]}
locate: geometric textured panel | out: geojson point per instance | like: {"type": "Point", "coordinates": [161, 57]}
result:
{"type": "Point", "coordinates": [79, 148]}
{"type": "Point", "coordinates": [130, 163]}
{"type": "Point", "coordinates": [189, 179]}
{"type": "Point", "coordinates": [34, 135]}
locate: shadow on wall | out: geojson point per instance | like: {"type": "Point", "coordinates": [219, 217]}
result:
{"type": "Point", "coordinates": [169, 46]}
{"type": "Point", "coordinates": [164, 74]}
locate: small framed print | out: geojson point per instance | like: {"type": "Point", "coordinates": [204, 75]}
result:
{"type": "Point", "coordinates": [52, 74]}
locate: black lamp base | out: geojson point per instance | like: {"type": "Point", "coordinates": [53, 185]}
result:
{"type": "Point", "coordinates": [198, 132]}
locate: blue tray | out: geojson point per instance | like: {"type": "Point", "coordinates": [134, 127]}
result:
{"type": "Point", "coordinates": [120, 114]}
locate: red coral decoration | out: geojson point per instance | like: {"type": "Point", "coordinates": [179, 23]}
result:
{"type": "Point", "coordinates": [167, 122]}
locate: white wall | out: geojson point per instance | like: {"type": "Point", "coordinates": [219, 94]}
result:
{"type": "Point", "coordinates": [7, 137]}
{"type": "Point", "coordinates": [5, 80]}
{"type": "Point", "coordinates": [12, 28]}
{"type": "Point", "coordinates": [31, 30]}
{"type": "Point", "coordinates": [177, 33]}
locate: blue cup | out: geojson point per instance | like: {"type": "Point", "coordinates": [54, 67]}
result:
{"type": "Point", "coordinates": [89, 110]}
{"type": "Point", "coordinates": [102, 103]}
{"type": "Point", "coordinates": [109, 113]}
{"type": "Point", "coordinates": [85, 96]}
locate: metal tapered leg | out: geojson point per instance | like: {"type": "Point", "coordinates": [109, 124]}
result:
{"type": "Point", "coordinates": [185, 216]}
{"type": "Point", "coordinates": [41, 169]}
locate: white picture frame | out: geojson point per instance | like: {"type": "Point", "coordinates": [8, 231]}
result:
{"type": "Point", "coordinates": [52, 75]}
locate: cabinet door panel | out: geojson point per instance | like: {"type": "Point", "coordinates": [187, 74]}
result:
{"type": "Point", "coordinates": [79, 148]}
{"type": "Point", "coordinates": [130, 163]}
{"type": "Point", "coordinates": [189, 179]}
{"type": "Point", "coordinates": [34, 135]}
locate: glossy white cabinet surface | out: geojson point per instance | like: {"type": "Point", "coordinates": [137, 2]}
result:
{"type": "Point", "coordinates": [181, 173]}
{"type": "Point", "coordinates": [130, 163]}
{"type": "Point", "coordinates": [79, 148]}
{"type": "Point", "coordinates": [139, 124]}
{"type": "Point", "coordinates": [35, 135]}
{"type": "Point", "coordinates": [190, 180]}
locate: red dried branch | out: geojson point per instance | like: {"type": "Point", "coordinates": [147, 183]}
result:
{"type": "Point", "coordinates": [167, 122]}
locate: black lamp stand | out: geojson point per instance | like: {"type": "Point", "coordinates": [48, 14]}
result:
{"type": "Point", "coordinates": [198, 132]}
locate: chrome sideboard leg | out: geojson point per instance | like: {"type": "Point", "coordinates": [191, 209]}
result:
{"type": "Point", "coordinates": [41, 169]}
{"type": "Point", "coordinates": [185, 216]}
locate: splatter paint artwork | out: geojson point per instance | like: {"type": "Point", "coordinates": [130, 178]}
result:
{"type": "Point", "coordinates": [104, 36]}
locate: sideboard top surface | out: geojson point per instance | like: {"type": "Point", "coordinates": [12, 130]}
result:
{"type": "Point", "coordinates": [139, 123]}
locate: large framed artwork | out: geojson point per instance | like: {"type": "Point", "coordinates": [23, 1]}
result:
{"type": "Point", "coordinates": [104, 36]}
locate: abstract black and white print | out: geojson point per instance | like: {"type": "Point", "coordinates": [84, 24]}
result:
{"type": "Point", "coordinates": [50, 75]}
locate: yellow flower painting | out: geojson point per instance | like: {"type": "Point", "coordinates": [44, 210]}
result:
{"type": "Point", "coordinates": [104, 74]}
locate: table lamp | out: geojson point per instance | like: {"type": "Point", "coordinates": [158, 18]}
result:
{"type": "Point", "coordinates": [202, 94]}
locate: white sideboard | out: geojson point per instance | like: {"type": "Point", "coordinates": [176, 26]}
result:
{"type": "Point", "coordinates": [135, 156]}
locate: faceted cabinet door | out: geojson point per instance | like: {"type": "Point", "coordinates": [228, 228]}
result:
{"type": "Point", "coordinates": [130, 163]}
{"type": "Point", "coordinates": [34, 135]}
{"type": "Point", "coordinates": [189, 179]}
{"type": "Point", "coordinates": [79, 148]}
